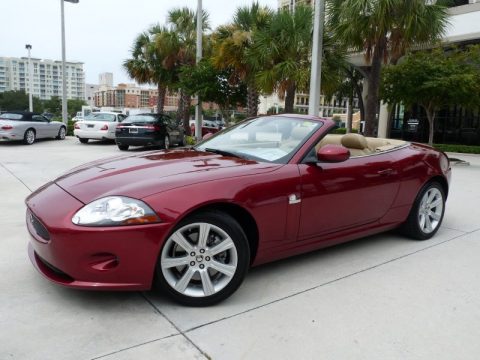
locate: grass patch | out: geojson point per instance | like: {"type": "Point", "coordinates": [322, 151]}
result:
{"type": "Point", "coordinates": [466, 149]}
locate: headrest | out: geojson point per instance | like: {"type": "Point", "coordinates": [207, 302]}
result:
{"type": "Point", "coordinates": [354, 141]}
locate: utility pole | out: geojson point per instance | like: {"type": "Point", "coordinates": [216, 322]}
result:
{"type": "Point", "coordinates": [317, 52]}
{"type": "Point", "coordinates": [64, 73]}
{"type": "Point", "coordinates": [30, 79]}
{"type": "Point", "coordinates": [198, 108]}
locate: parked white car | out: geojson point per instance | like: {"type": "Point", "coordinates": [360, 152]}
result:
{"type": "Point", "coordinates": [98, 126]}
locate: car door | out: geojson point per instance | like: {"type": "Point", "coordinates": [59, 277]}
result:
{"type": "Point", "coordinates": [338, 196]}
{"type": "Point", "coordinates": [40, 124]}
{"type": "Point", "coordinates": [52, 127]}
{"type": "Point", "coordinates": [172, 129]}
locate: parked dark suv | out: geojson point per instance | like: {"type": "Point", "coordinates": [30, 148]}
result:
{"type": "Point", "coordinates": [149, 130]}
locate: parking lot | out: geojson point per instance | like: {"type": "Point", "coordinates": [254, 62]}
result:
{"type": "Point", "coordinates": [382, 297]}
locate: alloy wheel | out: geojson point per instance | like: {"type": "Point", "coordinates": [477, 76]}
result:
{"type": "Point", "coordinates": [167, 142]}
{"type": "Point", "coordinates": [30, 137]}
{"type": "Point", "coordinates": [430, 210]}
{"type": "Point", "coordinates": [199, 260]}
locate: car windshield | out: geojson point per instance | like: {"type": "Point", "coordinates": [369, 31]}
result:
{"type": "Point", "coordinates": [10, 116]}
{"type": "Point", "coordinates": [100, 117]}
{"type": "Point", "coordinates": [270, 139]}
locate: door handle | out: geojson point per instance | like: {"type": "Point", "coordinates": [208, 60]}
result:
{"type": "Point", "coordinates": [385, 172]}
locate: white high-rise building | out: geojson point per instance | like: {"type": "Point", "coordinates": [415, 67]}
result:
{"type": "Point", "coordinates": [105, 79]}
{"type": "Point", "coordinates": [47, 77]}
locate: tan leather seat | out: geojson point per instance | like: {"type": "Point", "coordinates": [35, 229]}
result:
{"type": "Point", "coordinates": [357, 144]}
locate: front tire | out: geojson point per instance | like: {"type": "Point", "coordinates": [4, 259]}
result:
{"type": "Point", "coordinates": [427, 212]}
{"type": "Point", "coordinates": [29, 137]}
{"type": "Point", "coordinates": [204, 260]}
{"type": "Point", "coordinates": [83, 141]}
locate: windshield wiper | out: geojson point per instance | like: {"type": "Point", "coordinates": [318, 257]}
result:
{"type": "Point", "coordinates": [222, 152]}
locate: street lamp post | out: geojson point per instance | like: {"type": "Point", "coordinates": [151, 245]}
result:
{"type": "Point", "coordinates": [64, 73]}
{"type": "Point", "coordinates": [317, 52]}
{"type": "Point", "coordinates": [30, 79]}
{"type": "Point", "coordinates": [198, 108]}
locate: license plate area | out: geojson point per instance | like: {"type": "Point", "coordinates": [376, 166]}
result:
{"type": "Point", "coordinates": [133, 130]}
{"type": "Point", "coordinates": [90, 126]}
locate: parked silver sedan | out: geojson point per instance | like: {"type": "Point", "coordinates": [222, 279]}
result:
{"type": "Point", "coordinates": [98, 126]}
{"type": "Point", "coordinates": [28, 127]}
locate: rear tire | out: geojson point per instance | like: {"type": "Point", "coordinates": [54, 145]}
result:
{"type": "Point", "coordinates": [83, 141]}
{"type": "Point", "coordinates": [204, 260]}
{"type": "Point", "coordinates": [61, 133]}
{"type": "Point", "coordinates": [427, 212]}
{"type": "Point", "coordinates": [123, 147]}
{"type": "Point", "coordinates": [29, 137]}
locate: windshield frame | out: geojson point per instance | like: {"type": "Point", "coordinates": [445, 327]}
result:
{"type": "Point", "coordinates": [317, 125]}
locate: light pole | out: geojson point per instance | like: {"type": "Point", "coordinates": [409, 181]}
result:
{"type": "Point", "coordinates": [198, 108]}
{"type": "Point", "coordinates": [317, 52]}
{"type": "Point", "coordinates": [64, 77]}
{"type": "Point", "coordinates": [30, 79]}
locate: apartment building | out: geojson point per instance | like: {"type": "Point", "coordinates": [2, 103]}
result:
{"type": "Point", "coordinates": [47, 77]}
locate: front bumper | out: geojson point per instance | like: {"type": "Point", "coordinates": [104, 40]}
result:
{"type": "Point", "coordinates": [108, 258]}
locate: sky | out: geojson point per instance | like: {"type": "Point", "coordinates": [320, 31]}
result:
{"type": "Point", "coordinates": [99, 33]}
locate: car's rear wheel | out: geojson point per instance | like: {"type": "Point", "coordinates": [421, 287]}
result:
{"type": "Point", "coordinates": [29, 137]}
{"type": "Point", "coordinates": [204, 260]}
{"type": "Point", "coordinates": [427, 212]}
{"type": "Point", "coordinates": [123, 147]}
{"type": "Point", "coordinates": [166, 142]}
{"type": "Point", "coordinates": [83, 140]}
{"type": "Point", "coordinates": [61, 133]}
{"type": "Point", "coordinates": [183, 140]}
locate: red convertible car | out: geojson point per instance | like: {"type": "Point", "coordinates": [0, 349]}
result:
{"type": "Point", "coordinates": [192, 221]}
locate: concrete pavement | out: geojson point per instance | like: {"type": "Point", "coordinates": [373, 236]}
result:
{"type": "Point", "coordinates": [382, 297]}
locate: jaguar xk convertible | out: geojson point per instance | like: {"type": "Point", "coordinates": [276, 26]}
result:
{"type": "Point", "coordinates": [192, 221]}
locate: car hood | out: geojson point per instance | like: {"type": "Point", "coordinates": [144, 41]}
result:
{"type": "Point", "coordinates": [145, 174]}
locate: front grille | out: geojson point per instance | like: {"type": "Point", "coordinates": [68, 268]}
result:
{"type": "Point", "coordinates": [40, 229]}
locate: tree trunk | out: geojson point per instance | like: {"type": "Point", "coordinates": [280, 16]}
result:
{"type": "Point", "coordinates": [431, 122]}
{"type": "Point", "coordinates": [186, 99]}
{"type": "Point", "coordinates": [361, 105]}
{"type": "Point", "coordinates": [162, 92]}
{"type": "Point", "coordinates": [350, 113]}
{"type": "Point", "coordinates": [373, 86]}
{"type": "Point", "coordinates": [290, 98]}
{"type": "Point", "coordinates": [252, 100]}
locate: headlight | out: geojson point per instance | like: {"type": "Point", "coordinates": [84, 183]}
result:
{"type": "Point", "coordinates": [114, 211]}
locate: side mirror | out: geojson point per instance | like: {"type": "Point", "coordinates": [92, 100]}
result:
{"type": "Point", "coordinates": [333, 153]}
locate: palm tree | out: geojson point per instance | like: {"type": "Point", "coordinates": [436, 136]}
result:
{"type": "Point", "coordinates": [231, 44]}
{"type": "Point", "coordinates": [282, 53]}
{"type": "Point", "coordinates": [146, 64]}
{"type": "Point", "coordinates": [178, 45]}
{"type": "Point", "coordinates": [384, 30]}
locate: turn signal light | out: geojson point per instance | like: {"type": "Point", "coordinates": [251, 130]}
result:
{"type": "Point", "coordinates": [77, 126]}
{"type": "Point", "coordinates": [104, 127]}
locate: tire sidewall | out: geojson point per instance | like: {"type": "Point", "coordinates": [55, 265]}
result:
{"type": "Point", "coordinates": [234, 230]}
{"type": "Point", "coordinates": [413, 223]}
{"type": "Point", "coordinates": [61, 133]}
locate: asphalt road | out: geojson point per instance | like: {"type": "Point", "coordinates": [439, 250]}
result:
{"type": "Point", "coordinates": [381, 297]}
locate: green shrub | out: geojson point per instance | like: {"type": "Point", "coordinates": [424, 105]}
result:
{"type": "Point", "coordinates": [191, 140]}
{"type": "Point", "coordinates": [467, 149]}
{"type": "Point", "coordinates": [343, 131]}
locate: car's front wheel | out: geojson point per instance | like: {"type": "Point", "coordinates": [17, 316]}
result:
{"type": "Point", "coordinates": [204, 260]}
{"type": "Point", "coordinates": [166, 142]}
{"type": "Point", "coordinates": [427, 212]}
{"type": "Point", "coordinates": [29, 137]}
